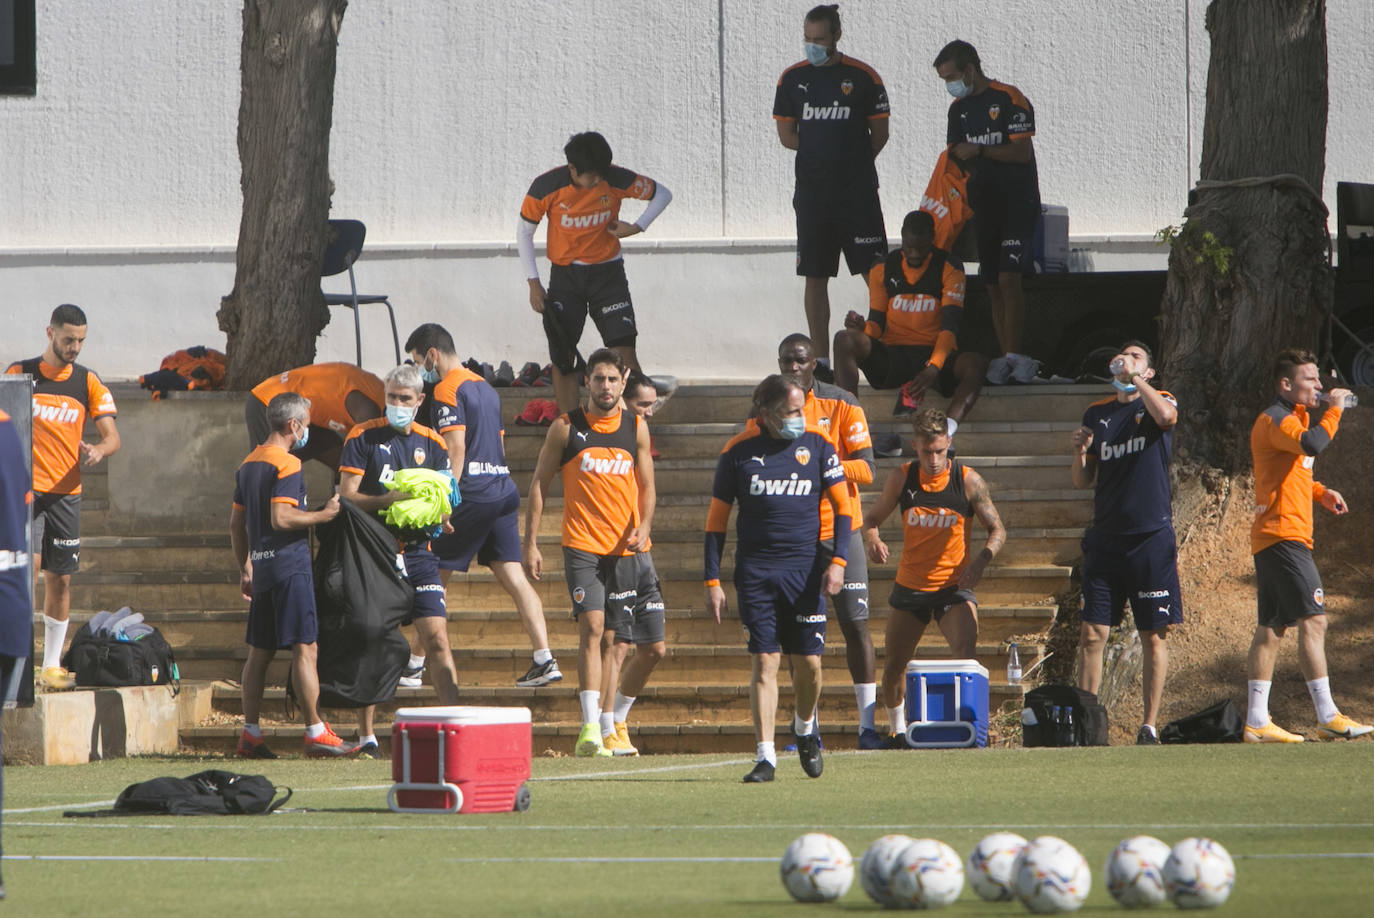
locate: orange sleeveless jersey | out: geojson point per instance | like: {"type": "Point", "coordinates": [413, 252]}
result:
{"type": "Point", "coordinates": [1284, 486]}
{"type": "Point", "coordinates": [913, 319]}
{"type": "Point", "coordinates": [934, 539]}
{"type": "Point", "coordinates": [579, 217]}
{"type": "Point", "coordinates": [600, 486]}
{"type": "Point", "coordinates": [327, 385]}
{"type": "Point", "coordinates": [60, 413]}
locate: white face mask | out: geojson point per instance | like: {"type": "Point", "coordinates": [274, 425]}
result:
{"type": "Point", "coordinates": [958, 88]}
{"type": "Point", "coordinates": [816, 54]}
{"type": "Point", "coordinates": [400, 416]}
{"type": "Point", "coordinates": [792, 428]}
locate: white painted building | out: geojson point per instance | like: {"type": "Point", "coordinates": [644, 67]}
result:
{"type": "Point", "coordinates": [119, 180]}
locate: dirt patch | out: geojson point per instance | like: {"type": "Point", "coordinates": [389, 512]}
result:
{"type": "Point", "coordinates": [1207, 655]}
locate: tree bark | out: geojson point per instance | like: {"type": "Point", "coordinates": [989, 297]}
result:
{"type": "Point", "coordinates": [1223, 325]}
{"type": "Point", "coordinates": [275, 311]}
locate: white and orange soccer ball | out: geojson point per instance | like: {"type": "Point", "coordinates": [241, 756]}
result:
{"type": "Point", "coordinates": [875, 867]}
{"type": "Point", "coordinates": [1134, 872]}
{"type": "Point", "coordinates": [817, 868]}
{"type": "Point", "coordinates": [1199, 873]}
{"type": "Point", "coordinates": [926, 874]}
{"type": "Point", "coordinates": [990, 864]}
{"type": "Point", "coordinates": [1051, 876]}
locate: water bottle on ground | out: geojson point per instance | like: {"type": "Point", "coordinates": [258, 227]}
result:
{"type": "Point", "coordinates": [1350, 401]}
{"type": "Point", "coordinates": [1013, 666]}
{"type": "Point", "coordinates": [1068, 737]}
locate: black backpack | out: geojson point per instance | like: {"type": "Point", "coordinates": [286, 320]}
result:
{"type": "Point", "coordinates": [1063, 715]}
{"type": "Point", "coordinates": [105, 660]}
{"type": "Point", "coordinates": [220, 793]}
{"type": "Point", "coordinates": [1219, 723]}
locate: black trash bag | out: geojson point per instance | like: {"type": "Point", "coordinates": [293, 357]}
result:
{"type": "Point", "coordinates": [1063, 715]}
{"type": "Point", "coordinates": [206, 793]}
{"type": "Point", "coordinates": [1218, 723]}
{"type": "Point", "coordinates": [362, 598]}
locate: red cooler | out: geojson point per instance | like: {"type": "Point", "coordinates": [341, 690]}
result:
{"type": "Point", "coordinates": [460, 760]}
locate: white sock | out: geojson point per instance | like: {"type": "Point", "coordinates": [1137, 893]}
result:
{"type": "Point", "coordinates": [951, 426]}
{"type": "Point", "coordinates": [1320, 690]}
{"type": "Point", "coordinates": [896, 719]}
{"type": "Point", "coordinates": [542, 656]}
{"type": "Point", "coordinates": [803, 727]}
{"type": "Point", "coordinates": [1151, 728]}
{"type": "Point", "coordinates": [623, 703]}
{"type": "Point", "coordinates": [54, 635]}
{"type": "Point", "coordinates": [315, 731]}
{"type": "Point", "coordinates": [1257, 713]}
{"type": "Point", "coordinates": [607, 724]}
{"type": "Point", "coordinates": [370, 738]}
{"type": "Point", "coordinates": [767, 753]}
{"type": "Point", "coordinates": [591, 706]}
{"type": "Point", "coordinates": [866, 696]}
{"type": "Point", "coordinates": [416, 662]}
{"type": "Point", "coordinates": [253, 730]}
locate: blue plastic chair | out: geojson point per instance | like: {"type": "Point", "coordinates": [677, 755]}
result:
{"type": "Point", "coordinates": [345, 245]}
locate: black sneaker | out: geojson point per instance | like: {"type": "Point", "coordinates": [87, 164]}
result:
{"type": "Point", "coordinates": [1146, 737]}
{"type": "Point", "coordinates": [896, 741]}
{"type": "Point", "coordinates": [809, 751]}
{"type": "Point", "coordinates": [369, 750]}
{"type": "Point", "coordinates": [505, 375]}
{"type": "Point", "coordinates": [888, 446]}
{"type": "Point", "coordinates": [762, 773]}
{"type": "Point", "coordinates": [541, 674]}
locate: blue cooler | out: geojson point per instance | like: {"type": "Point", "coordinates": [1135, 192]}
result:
{"type": "Point", "coordinates": [946, 704]}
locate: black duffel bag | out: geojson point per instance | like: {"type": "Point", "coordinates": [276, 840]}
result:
{"type": "Point", "coordinates": [106, 660]}
{"type": "Point", "coordinates": [1219, 723]}
{"type": "Point", "coordinates": [1063, 715]}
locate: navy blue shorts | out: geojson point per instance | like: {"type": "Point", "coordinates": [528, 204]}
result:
{"type": "Point", "coordinates": [827, 226]}
{"type": "Point", "coordinates": [422, 570]}
{"type": "Point", "coordinates": [283, 613]}
{"type": "Point", "coordinates": [1004, 225]}
{"type": "Point", "coordinates": [782, 608]}
{"type": "Point", "coordinates": [1141, 567]}
{"type": "Point", "coordinates": [489, 532]}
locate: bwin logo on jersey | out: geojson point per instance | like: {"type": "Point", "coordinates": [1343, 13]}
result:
{"type": "Point", "coordinates": [832, 112]}
{"type": "Point", "coordinates": [598, 465]}
{"type": "Point", "coordinates": [941, 520]}
{"type": "Point", "coordinates": [583, 221]}
{"type": "Point", "coordinates": [909, 303]}
{"type": "Point", "coordinates": [935, 207]}
{"type": "Point", "coordinates": [791, 487]}
{"type": "Point", "coordinates": [58, 414]}
{"type": "Point", "coordinates": [1117, 450]}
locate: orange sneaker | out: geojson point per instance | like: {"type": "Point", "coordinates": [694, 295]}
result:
{"type": "Point", "coordinates": [328, 745]}
{"type": "Point", "coordinates": [253, 747]}
{"type": "Point", "coordinates": [1269, 733]}
{"type": "Point", "coordinates": [1342, 727]}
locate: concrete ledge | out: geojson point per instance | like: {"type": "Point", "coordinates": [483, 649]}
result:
{"type": "Point", "coordinates": [86, 725]}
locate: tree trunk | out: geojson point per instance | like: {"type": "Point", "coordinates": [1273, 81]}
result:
{"type": "Point", "coordinates": [275, 311]}
{"type": "Point", "coordinates": [1227, 314]}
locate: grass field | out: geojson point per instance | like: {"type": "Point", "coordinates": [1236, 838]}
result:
{"type": "Point", "coordinates": [680, 835]}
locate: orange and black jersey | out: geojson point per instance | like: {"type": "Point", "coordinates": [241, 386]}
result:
{"type": "Point", "coordinates": [997, 115]}
{"type": "Point", "coordinates": [935, 536]}
{"type": "Point", "coordinates": [270, 475]}
{"type": "Point", "coordinates": [917, 306]}
{"type": "Point", "coordinates": [832, 107]}
{"type": "Point", "coordinates": [328, 386]}
{"type": "Point", "coordinates": [579, 218]}
{"type": "Point", "coordinates": [946, 200]}
{"type": "Point", "coordinates": [376, 451]}
{"type": "Point", "coordinates": [779, 485]}
{"type": "Point", "coordinates": [16, 613]}
{"type": "Point", "coordinates": [600, 482]}
{"type": "Point", "coordinates": [1284, 443]}
{"type": "Point", "coordinates": [63, 400]}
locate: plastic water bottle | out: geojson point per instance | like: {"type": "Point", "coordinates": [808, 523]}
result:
{"type": "Point", "coordinates": [1013, 666]}
{"type": "Point", "coordinates": [1350, 401]}
{"type": "Point", "coordinates": [1069, 739]}
{"type": "Point", "coordinates": [1117, 366]}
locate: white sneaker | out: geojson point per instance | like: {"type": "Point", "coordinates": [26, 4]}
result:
{"type": "Point", "coordinates": [412, 677]}
{"type": "Point", "coordinates": [999, 371]}
{"type": "Point", "coordinates": [1023, 368]}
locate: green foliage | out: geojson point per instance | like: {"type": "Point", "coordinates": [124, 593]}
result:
{"type": "Point", "coordinates": [1202, 246]}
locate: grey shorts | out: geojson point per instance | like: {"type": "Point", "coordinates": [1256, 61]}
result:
{"type": "Point", "coordinates": [635, 602]}
{"type": "Point", "coordinates": [1287, 585]}
{"type": "Point", "coordinates": [851, 603]}
{"type": "Point", "coordinates": [928, 605]}
{"type": "Point", "coordinates": [589, 577]}
{"type": "Point", "coordinates": [57, 531]}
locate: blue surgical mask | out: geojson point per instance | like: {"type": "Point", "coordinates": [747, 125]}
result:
{"type": "Point", "coordinates": [1128, 388]}
{"type": "Point", "coordinates": [958, 88]}
{"type": "Point", "coordinates": [428, 375]}
{"type": "Point", "coordinates": [304, 439]}
{"type": "Point", "coordinates": [400, 416]}
{"type": "Point", "coordinates": [792, 428]}
{"type": "Point", "coordinates": [816, 54]}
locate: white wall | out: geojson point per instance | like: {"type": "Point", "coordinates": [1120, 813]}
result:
{"type": "Point", "coordinates": [119, 181]}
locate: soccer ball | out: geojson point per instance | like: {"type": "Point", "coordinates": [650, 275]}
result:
{"type": "Point", "coordinates": [990, 864]}
{"type": "Point", "coordinates": [875, 868]}
{"type": "Point", "coordinates": [817, 868]}
{"type": "Point", "coordinates": [1199, 873]}
{"type": "Point", "coordinates": [1135, 871]}
{"type": "Point", "coordinates": [1051, 876]}
{"type": "Point", "coordinates": [926, 874]}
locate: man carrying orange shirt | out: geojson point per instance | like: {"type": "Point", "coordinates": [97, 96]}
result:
{"type": "Point", "coordinates": [582, 202]}
{"type": "Point", "coordinates": [341, 396]}
{"type": "Point", "coordinates": [1284, 443]}
{"type": "Point", "coordinates": [65, 395]}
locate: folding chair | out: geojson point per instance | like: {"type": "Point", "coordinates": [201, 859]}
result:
{"type": "Point", "coordinates": [345, 245]}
